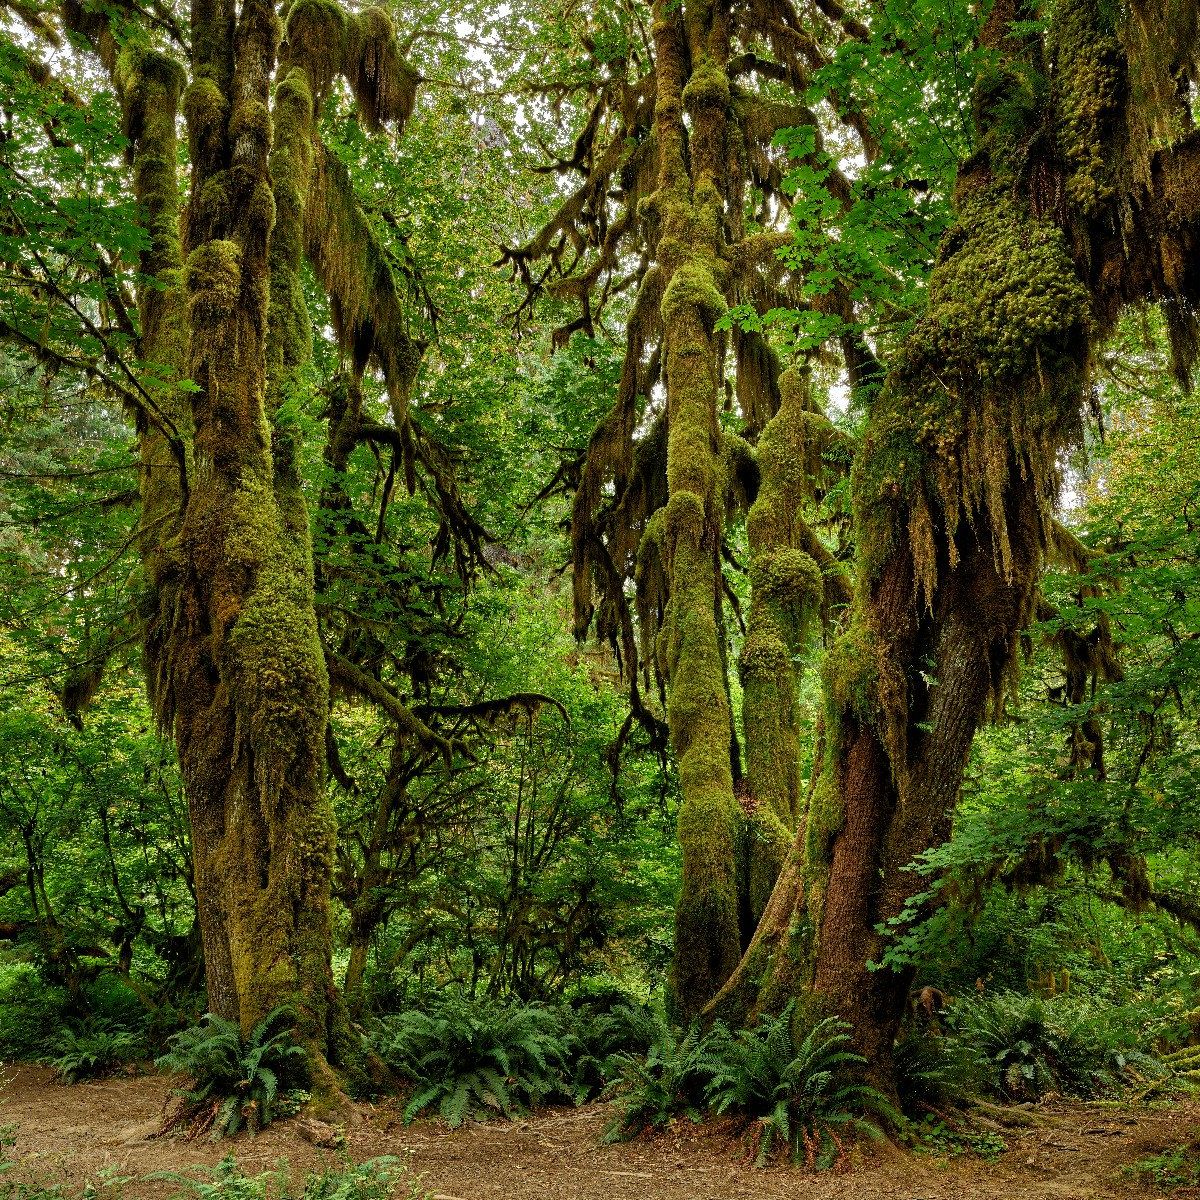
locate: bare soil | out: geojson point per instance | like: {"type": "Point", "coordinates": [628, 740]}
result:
{"type": "Point", "coordinates": [71, 1134]}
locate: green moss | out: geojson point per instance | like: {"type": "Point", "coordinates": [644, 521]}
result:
{"type": "Point", "coordinates": [764, 656]}
{"type": "Point", "coordinates": [764, 843]}
{"type": "Point", "coordinates": [692, 286]}
{"type": "Point", "coordinates": [826, 816]}
{"type": "Point", "coordinates": [1004, 290]}
{"type": "Point", "coordinates": [707, 88]}
{"type": "Point", "coordinates": [280, 684]}
{"type": "Point", "coordinates": [788, 577]}
{"type": "Point", "coordinates": [1090, 87]}
{"type": "Point", "coordinates": [684, 518]}
{"type": "Point", "coordinates": [315, 40]}
{"type": "Point", "coordinates": [204, 107]}
{"type": "Point", "coordinates": [851, 673]}
{"type": "Point", "coordinates": [214, 281]}
{"type": "Point", "coordinates": [990, 382]}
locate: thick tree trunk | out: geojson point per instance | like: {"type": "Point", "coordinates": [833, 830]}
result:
{"type": "Point", "coordinates": [787, 590]}
{"type": "Point", "coordinates": [246, 683]}
{"type": "Point", "coordinates": [954, 486]}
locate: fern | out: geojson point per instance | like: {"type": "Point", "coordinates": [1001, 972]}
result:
{"type": "Point", "coordinates": [799, 1096]}
{"type": "Point", "coordinates": [235, 1082]}
{"type": "Point", "coordinates": [1026, 1046]}
{"type": "Point", "coordinates": [471, 1060]}
{"type": "Point", "coordinates": [93, 1053]}
{"type": "Point", "coordinates": [669, 1082]}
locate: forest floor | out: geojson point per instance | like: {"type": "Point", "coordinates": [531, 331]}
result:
{"type": "Point", "coordinates": [72, 1134]}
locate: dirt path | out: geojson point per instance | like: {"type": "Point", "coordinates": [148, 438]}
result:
{"type": "Point", "coordinates": [71, 1134]}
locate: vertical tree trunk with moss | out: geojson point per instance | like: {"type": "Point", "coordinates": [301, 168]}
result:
{"type": "Point", "coordinates": [954, 487]}
{"type": "Point", "coordinates": [691, 46]}
{"type": "Point", "coordinates": [247, 689]}
{"type": "Point", "coordinates": [235, 663]}
{"type": "Point", "coordinates": [787, 589]}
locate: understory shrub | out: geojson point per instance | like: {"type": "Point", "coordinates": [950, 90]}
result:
{"type": "Point", "coordinates": [801, 1095]}
{"type": "Point", "coordinates": [598, 1040]}
{"type": "Point", "coordinates": [472, 1059]}
{"type": "Point", "coordinates": [94, 1052]}
{"type": "Point", "coordinates": [32, 1013]}
{"type": "Point", "coordinates": [1026, 1046]}
{"type": "Point", "coordinates": [667, 1082]}
{"type": "Point", "coordinates": [235, 1082]}
{"type": "Point", "coordinates": [797, 1094]}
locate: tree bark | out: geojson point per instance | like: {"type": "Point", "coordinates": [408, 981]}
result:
{"type": "Point", "coordinates": [691, 48]}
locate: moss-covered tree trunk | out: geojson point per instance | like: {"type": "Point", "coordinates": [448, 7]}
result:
{"type": "Point", "coordinates": [953, 486]}
{"type": "Point", "coordinates": [691, 48]}
{"type": "Point", "coordinates": [246, 686]}
{"type": "Point", "coordinates": [787, 591]}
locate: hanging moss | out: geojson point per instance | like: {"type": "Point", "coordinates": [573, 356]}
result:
{"type": "Point", "coordinates": [315, 38]}
{"type": "Point", "coordinates": [289, 336]}
{"type": "Point", "coordinates": [383, 83]}
{"type": "Point", "coordinates": [994, 369]}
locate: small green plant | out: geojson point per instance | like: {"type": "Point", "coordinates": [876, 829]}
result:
{"type": "Point", "coordinates": [803, 1096]}
{"type": "Point", "coordinates": [235, 1082]}
{"type": "Point", "coordinates": [93, 1053]}
{"type": "Point", "coordinates": [32, 1012]}
{"type": "Point", "coordinates": [942, 1140]}
{"type": "Point", "coordinates": [1027, 1046]}
{"type": "Point", "coordinates": [474, 1060]}
{"type": "Point", "coordinates": [934, 1072]}
{"type": "Point", "coordinates": [597, 1041]}
{"type": "Point", "coordinates": [384, 1178]}
{"type": "Point", "coordinates": [1177, 1168]}
{"type": "Point", "coordinates": [668, 1082]}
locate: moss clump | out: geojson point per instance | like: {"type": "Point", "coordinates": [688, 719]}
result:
{"type": "Point", "coordinates": [1004, 291]}
{"type": "Point", "coordinates": [850, 673]}
{"type": "Point", "coordinates": [764, 656]}
{"type": "Point", "coordinates": [692, 286]}
{"type": "Point", "coordinates": [708, 88]}
{"type": "Point", "coordinates": [204, 108]}
{"type": "Point", "coordinates": [280, 685]}
{"type": "Point", "coordinates": [151, 84]}
{"type": "Point", "coordinates": [988, 385]}
{"type": "Point", "coordinates": [315, 40]}
{"type": "Point", "coordinates": [383, 83]}
{"type": "Point", "coordinates": [684, 519]}
{"type": "Point", "coordinates": [789, 577]}
{"type": "Point", "coordinates": [250, 120]}
{"type": "Point", "coordinates": [1090, 86]}
{"type": "Point", "coordinates": [214, 281]}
